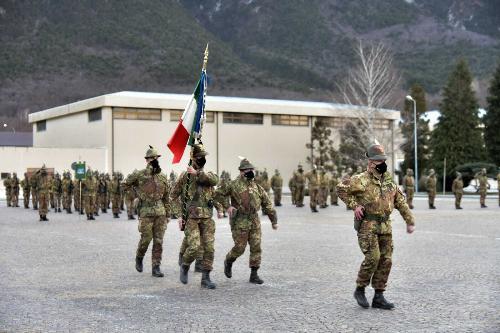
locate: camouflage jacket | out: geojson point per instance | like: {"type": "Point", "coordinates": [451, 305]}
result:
{"type": "Point", "coordinates": [56, 186]}
{"type": "Point", "coordinates": [102, 186]}
{"type": "Point", "coordinates": [291, 183]}
{"type": "Point", "coordinates": [248, 198]}
{"type": "Point", "coordinates": [482, 181]}
{"type": "Point", "coordinates": [25, 184]}
{"type": "Point", "coordinates": [299, 179]}
{"type": "Point", "coordinates": [200, 196]}
{"type": "Point", "coordinates": [313, 179]}
{"type": "Point", "coordinates": [153, 192]}
{"type": "Point", "coordinates": [43, 184]}
{"type": "Point", "coordinates": [457, 186]}
{"type": "Point", "coordinates": [333, 183]}
{"type": "Point", "coordinates": [114, 187]}
{"type": "Point", "coordinates": [408, 182]}
{"type": "Point", "coordinates": [7, 184]}
{"type": "Point", "coordinates": [89, 186]}
{"type": "Point", "coordinates": [431, 184]}
{"type": "Point", "coordinates": [276, 182]}
{"type": "Point", "coordinates": [378, 195]}
{"type": "Point", "coordinates": [67, 186]}
{"type": "Point", "coordinates": [324, 181]}
{"type": "Point", "coordinates": [34, 181]}
{"type": "Point", "coordinates": [14, 183]}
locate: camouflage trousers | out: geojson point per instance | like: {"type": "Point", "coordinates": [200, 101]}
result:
{"type": "Point", "coordinates": [409, 196]}
{"type": "Point", "coordinates": [184, 246]}
{"type": "Point", "coordinates": [57, 200]}
{"type": "Point", "coordinates": [129, 202]}
{"type": "Point", "coordinates": [334, 198]}
{"type": "Point", "coordinates": [76, 202]}
{"type": "Point", "coordinates": [66, 199]}
{"type": "Point", "coordinates": [115, 203]}
{"type": "Point", "coordinates": [277, 196]}
{"type": "Point", "coordinates": [51, 199]}
{"type": "Point", "coordinates": [152, 228]}
{"type": "Point", "coordinates": [313, 197]}
{"type": "Point", "coordinates": [242, 236]}
{"type": "Point", "coordinates": [103, 201]}
{"type": "Point", "coordinates": [458, 199]}
{"type": "Point", "coordinates": [377, 249]}
{"type": "Point", "coordinates": [432, 196]}
{"type": "Point", "coordinates": [299, 195]}
{"type": "Point", "coordinates": [482, 196]}
{"type": "Point", "coordinates": [199, 237]}
{"type": "Point", "coordinates": [293, 192]}
{"type": "Point", "coordinates": [89, 204]}
{"type": "Point", "coordinates": [15, 197]}
{"type": "Point", "coordinates": [323, 196]}
{"type": "Point", "coordinates": [96, 203]}
{"type": "Point", "coordinates": [26, 198]}
{"type": "Point", "coordinates": [34, 199]}
{"type": "Point", "coordinates": [8, 196]}
{"type": "Point", "coordinates": [43, 199]}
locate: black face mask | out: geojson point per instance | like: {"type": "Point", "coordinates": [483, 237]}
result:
{"type": "Point", "coordinates": [155, 165]}
{"type": "Point", "coordinates": [249, 175]}
{"type": "Point", "coordinates": [200, 162]}
{"type": "Point", "coordinates": [381, 168]}
{"type": "Point", "coordinates": [300, 170]}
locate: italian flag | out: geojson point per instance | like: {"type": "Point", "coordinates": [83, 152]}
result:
{"type": "Point", "coordinates": [191, 123]}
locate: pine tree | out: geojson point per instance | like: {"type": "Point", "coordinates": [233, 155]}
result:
{"type": "Point", "coordinates": [457, 136]}
{"type": "Point", "coordinates": [492, 119]}
{"type": "Point", "coordinates": [324, 153]}
{"type": "Point", "coordinates": [407, 130]}
{"type": "Point", "coordinates": [353, 143]}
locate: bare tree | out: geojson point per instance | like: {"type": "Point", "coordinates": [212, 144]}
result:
{"type": "Point", "coordinates": [370, 84]}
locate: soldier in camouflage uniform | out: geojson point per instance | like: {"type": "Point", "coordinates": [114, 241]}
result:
{"type": "Point", "coordinates": [130, 195]}
{"type": "Point", "coordinates": [14, 185]}
{"type": "Point", "coordinates": [431, 188]}
{"type": "Point", "coordinates": [78, 196]}
{"type": "Point", "coordinates": [313, 181]}
{"type": "Point", "coordinates": [107, 179]}
{"type": "Point", "coordinates": [197, 188]}
{"type": "Point", "coordinates": [56, 189]}
{"type": "Point", "coordinates": [67, 191]}
{"type": "Point", "coordinates": [323, 188]}
{"type": "Point", "coordinates": [34, 190]}
{"type": "Point", "coordinates": [277, 186]}
{"type": "Point", "coordinates": [175, 203]}
{"type": "Point", "coordinates": [153, 209]}
{"type": "Point", "coordinates": [333, 189]}
{"type": "Point", "coordinates": [373, 195]}
{"type": "Point", "coordinates": [43, 187]}
{"type": "Point", "coordinates": [482, 181]}
{"type": "Point", "coordinates": [409, 187]}
{"type": "Point", "coordinates": [96, 192]}
{"type": "Point", "coordinates": [25, 184]}
{"type": "Point", "coordinates": [299, 180]}
{"type": "Point", "coordinates": [293, 190]}
{"type": "Point", "coordinates": [89, 194]}
{"type": "Point", "coordinates": [115, 190]}
{"type": "Point", "coordinates": [458, 190]}
{"type": "Point", "coordinates": [102, 190]}
{"type": "Point", "coordinates": [247, 198]}
{"type": "Point", "coordinates": [8, 190]}
{"type": "Point", "coordinates": [223, 182]}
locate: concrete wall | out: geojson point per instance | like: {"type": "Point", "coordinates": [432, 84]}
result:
{"type": "Point", "coordinates": [73, 130]}
{"type": "Point", "coordinates": [18, 159]}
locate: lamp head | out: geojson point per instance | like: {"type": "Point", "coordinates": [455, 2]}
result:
{"type": "Point", "coordinates": [409, 98]}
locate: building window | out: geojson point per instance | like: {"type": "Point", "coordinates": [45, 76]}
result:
{"type": "Point", "coordinates": [381, 124]}
{"type": "Point", "coordinates": [175, 115]}
{"type": "Point", "coordinates": [136, 114]}
{"type": "Point", "coordinates": [290, 120]}
{"type": "Point", "coordinates": [41, 125]}
{"type": "Point", "coordinates": [335, 122]}
{"type": "Point", "coordinates": [242, 118]}
{"type": "Point", "coordinates": [95, 115]}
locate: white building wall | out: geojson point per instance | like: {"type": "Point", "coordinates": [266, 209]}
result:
{"type": "Point", "coordinates": [73, 130]}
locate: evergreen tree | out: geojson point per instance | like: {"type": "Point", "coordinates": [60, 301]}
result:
{"type": "Point", "coordinates": [407, 126]}
{"type": "Point", "coordinates": [353, 143]}
{"type": "Point", "coordinates": [492, 119]}
{"type": "Point", "coordinates": [457, 136]}
{"type": "Point", "coordinates": [324, 154]}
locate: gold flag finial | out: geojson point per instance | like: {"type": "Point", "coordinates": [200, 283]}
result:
{"type": "Point", "coordinates": [205, 59]}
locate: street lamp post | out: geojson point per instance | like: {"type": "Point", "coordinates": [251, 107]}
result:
{"type": "Point", "coordinates": [409, 98]}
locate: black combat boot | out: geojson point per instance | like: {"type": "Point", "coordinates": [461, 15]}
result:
{"type": "Point", "coordinates": [138, 264]}
{"type": "Point", "coordinates": [91, 217]}
{"type": "Point", "coordinates": [96, 214]}
{"type": "Point", "coordinates": [131, 217]}
{"type": "Point", "coordinates": [205, 280]}
{"type": "Point", "coordinates": [88, 217]}
{"type": "Point", "coordinates": [41, 218]}
{"type": "Point", "coordinates": [45, 218]}
{"type": "Point", "coordinates": [254, 277]}
{"type": "Point", "coordinates": [104, 210]}
{"type": "Point", "coordinates": [228, 268]}
{"type": "Point", "coordinates": [314, 210]}
{"type": "Point", "coordinates": [184, 273]}
{"type": "Point", "coordinates": [359, 296]}
{"type": "Point", "coordinates": [59, 210]}
{"type": "Point", "coordinates": [115, 215]}
{"type": "Point", "coordinates": [380, 302]}
{"type": "Point", "coordinates": [81, 212]}
{"type": "Point", "coordinates": [69, 211]}
{"type": "Point", "coordinates": [180, 259]}
{"type": "Point", "coordinates": [197, 266]}
{"type": "Point", "coordinates": [484, 206]}
{"type": "Point", "coordinates": [156, 271]}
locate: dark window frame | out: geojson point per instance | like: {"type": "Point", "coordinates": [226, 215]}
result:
{"type": "Point", "coordinates": [41, 126]}
{"type": "Point", "coordinates": [243, 118]}
{"type": "Point", "coordinates": [94, 115]}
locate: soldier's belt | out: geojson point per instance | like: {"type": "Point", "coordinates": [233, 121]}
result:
{"type": "Point", "coordinates": [376, 218]}
{"type": "Point", "coordinates": [410, 186]}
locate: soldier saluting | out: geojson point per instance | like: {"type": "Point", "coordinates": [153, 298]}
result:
{"type": "Point", "coordinates": [154, 208]}
{"type": "Point", "coordinates": [373, 195]}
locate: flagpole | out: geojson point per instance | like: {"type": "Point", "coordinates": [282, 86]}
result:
{"type": "Point", "coordinates": [184, 216]}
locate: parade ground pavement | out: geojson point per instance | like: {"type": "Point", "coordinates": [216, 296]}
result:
{"type": "Point", "coordinates": [71, 275]}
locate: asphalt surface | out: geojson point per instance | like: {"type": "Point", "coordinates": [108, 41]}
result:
{"type": "Point", "coordinates": [70, 275]}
